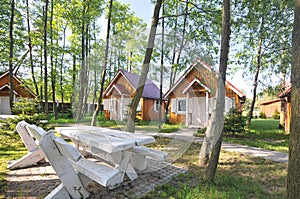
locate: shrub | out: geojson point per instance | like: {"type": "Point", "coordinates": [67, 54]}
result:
{"type": "Point", "coordinates": [262, 115]}
{"type": "Point", "coordinates": [200, 132]}
{"type": "Point", "coordinates": [26, 110]}
{"type": "Point", "coordinates": [276, 115]}
{"type": "Point", "coordinates": [235, 122]}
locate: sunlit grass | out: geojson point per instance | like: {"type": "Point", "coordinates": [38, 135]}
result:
{"type": "Point", "coordinates": [238, 176]}
{"type": "Point", "coordinates": [11, 148]}
{"type": "Point", "coordinates": [263, 134]}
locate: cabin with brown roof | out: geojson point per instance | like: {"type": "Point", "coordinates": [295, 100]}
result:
{"type": "Point", "coordinates": [270, 107]}
{"type": "Point", "coordinates": [20, 91]}
{"type": "Point", "coordinates": [192, 96]}
{"type": "Point", "coordinates": [119, 93]}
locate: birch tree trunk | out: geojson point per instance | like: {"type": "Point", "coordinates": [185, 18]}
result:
{"type": "Point", "coordinates": [103, 75]}
{"type": "Point", "coordinates": [11, 54]}
{"type": "Point", "coordinates": [45, 61]}
{"type": "Point", "coordinates": [293, 176]}
{"type": "Point", "coordinates": [258, 66]}
{"type": "Point", "coordinates": [145, 69]}
{"type": "Point", "coordinates": [217, 141]}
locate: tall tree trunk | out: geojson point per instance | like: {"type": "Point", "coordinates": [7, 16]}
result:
{"type": "Point", "coordinates": [61, 71]}
{"type": "Point", "coordinates": [45, 60]}
{"type": "Point", "coordinates": [161, 69]}
{"type": "Point", "coordinates": [30, 49]}
{"type": "Point", "coordinates": [220, 103]}
{"type": "Point", "coordinates": [293, 176]}
{"type": "Point", "coordinates": [259, 54]}
{"type": "Point", "coordinates": [53, 70]}
{"type": "Point", "coordinates": [96, 112]}
{"type": "Point", "coordinates": [11, 54]}
{"type": "Point", "coordinates": [145, 69]}
{"type": "Point", "coordinates": [41, 74]}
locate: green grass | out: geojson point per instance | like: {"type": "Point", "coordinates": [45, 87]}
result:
{"type": "Point", "coordinates": [264, 133]}
{"type": "Point", "coordinates": [238, 176]}
{"type": "Point", "coordinates": [151, 126]}
{"type": "Point", "coordinates": [11, 148]}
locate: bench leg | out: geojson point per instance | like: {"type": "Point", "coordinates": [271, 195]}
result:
{"type": "Point", "coordinates": [31, 158]}
{"type": "Point", "coordinates": [139, 162]}
{"type": "Point", "coordinates": [58, 193]}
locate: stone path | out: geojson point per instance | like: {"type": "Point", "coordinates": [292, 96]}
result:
{"type": "Point", "coordinates": [38, 181]}
{"type": "Point", "coordinates": [188, 134]}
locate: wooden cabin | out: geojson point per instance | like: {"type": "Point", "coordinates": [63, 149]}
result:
{"type": "Point", "coordinates": [20, 91]}
{"type": "Point", "coordinates": [192, 96]}
{"type": "Point", "coordinates": [285, 117]}
{"type": "Point", "coordinates": [119, 93]}
{"type": "Point", "coordinates": [270, 107]}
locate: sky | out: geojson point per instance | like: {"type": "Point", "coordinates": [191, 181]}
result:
{"type": "Point", "coordinates": [144, 9]}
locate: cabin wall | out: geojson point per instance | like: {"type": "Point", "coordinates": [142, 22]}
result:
{"type": "Point", "coordinates": [270, 108]}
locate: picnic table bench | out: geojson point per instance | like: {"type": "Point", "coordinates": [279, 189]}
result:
{"type": "Point", "coordinates": [114, 146]}
{"type": "Point", "coordinates": [124, 152]}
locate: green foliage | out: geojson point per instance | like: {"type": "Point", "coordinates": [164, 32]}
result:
{"type": "Point", "coordinates": [26, 110]}
{"type": "Point", "coordinates": [235, 122]}
{"type": "Point", "coordinates": [200, 132]}
{"type": "Point", "coordinates": [262, 115]}
{"type": "Point", "coordinates": [276, 115]}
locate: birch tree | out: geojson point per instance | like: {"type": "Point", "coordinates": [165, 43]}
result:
{"type": "Point", "coordinates": [145, 68]}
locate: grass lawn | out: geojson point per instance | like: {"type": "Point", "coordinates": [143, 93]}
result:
{"type": "Point", "coordinates": [141, 125]}
{"type": "Point", "coordinates": [238, 176]}
{"type": "Point", "coordinates": [11, 148]}
{"type": "Point", "coordinates": [264, 133]}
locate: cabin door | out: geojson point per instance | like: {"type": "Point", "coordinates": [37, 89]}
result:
{"type": "Point", "coordinates": [4, 106]}
{"type": "Point", "coordinates": [198, 113]}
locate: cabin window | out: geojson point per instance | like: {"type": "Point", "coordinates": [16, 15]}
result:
{"type": "Point", "coordinates": [156, 105]}
{"type": "Point", "coordinates": [181, 105]}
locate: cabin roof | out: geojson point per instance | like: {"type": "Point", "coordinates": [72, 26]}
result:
{"type": "Point", "coordinates": [150, 89]}
{"type": "Point", "coordinates": [205, 65]}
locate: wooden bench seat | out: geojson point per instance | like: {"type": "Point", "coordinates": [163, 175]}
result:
{"type": "Point", "coordinates": [155, 154]}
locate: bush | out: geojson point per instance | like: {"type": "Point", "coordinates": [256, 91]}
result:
{"type": "Point", "coordinates": [262, 115]}
{"type": "Point", "coordinates": [235, 122]}
{"type": "Point", "coordinates": [276, 115]}
{"type": "Point", "coordinates": [28, 111]}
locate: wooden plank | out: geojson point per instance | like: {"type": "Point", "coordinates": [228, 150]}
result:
{"type": "Point", "coordinates": [62, 166]}
{"type": "Point", "coordinates": [30, 159]}
{"type": "Point", "coordinates": [58, 193]}
{"type": "Point", "coordinates": [67, 150]}
{"type": "Point", "coordinates": [107, 140]}
{"type": "Point", "coordinates": [158, 155]}
{"type": "Point", "coordinates": [25, 136]}
{"type": "Point", "coordinates": [99, 172]}
{"type": "Point", "coordinates": [35, 131]}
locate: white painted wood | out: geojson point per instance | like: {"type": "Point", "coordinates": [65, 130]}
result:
{"type": "Point", "coordinates": [25, 136]}
{"type": "Point", "coordinates": [34, 155]}
{"type": "Point", "coordinates": [30, 159]}
{"type": "Point", "coordinates": [155, 154]}
{"type": "Point", "coordinates": [67, 150]}
{"type": "Point", "coordinates": [206, 109]}
{"type": "Point", "coordinates": [62, 166]}
{"type": "Point", "coordinates": [59, 193]}
{"type": "Point", "coordinates": [99, 172]}
{"type": "Point", "coordinates": [108, 140]}
{"type": "Point", "coordinates": [35, 131]}
{"type": "Point", "coordinates": [138, 162]}
{"type": "Point", "coordinates": [174, 105]}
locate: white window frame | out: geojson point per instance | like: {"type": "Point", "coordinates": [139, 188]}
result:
{"type": "Point", "coordinates": [178, 102]}
{"type": "Point", "coordinates": [156, 105]}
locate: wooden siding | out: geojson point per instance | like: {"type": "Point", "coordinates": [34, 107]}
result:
{"type": "Point", "coordinates": [148, 112]}
{"type": "Point", "coordinates": [20, 89]}
{"type": "Point", "coordinates": [270, 108]}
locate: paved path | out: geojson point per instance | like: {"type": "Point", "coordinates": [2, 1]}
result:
{"type": "Point", "coordinates": [188, 134]}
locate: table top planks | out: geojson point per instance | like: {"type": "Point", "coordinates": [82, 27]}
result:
{"type": "Point", "coordinates": [108, 140]}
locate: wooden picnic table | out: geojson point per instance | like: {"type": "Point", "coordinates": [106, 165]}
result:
{"type": "Point", "coordinates": [113, 146]}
